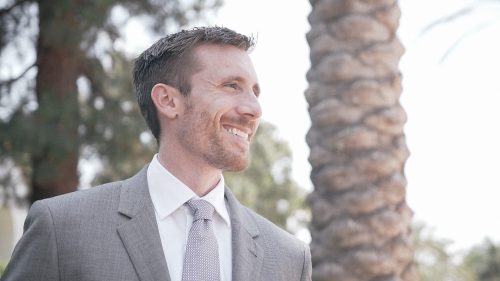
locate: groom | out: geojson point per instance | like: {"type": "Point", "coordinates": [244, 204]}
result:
{"type": "Point", "coordinates": [174, 220]}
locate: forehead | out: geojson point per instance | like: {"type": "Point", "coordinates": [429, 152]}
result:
{"type": "Point", "coordinates": [224, 60]}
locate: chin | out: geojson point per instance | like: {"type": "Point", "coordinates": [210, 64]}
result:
{"type": "Point", "coordinates": [228, 160]}
{"type": "Point", "coordinates": [237, 165]}
{"type": "Point", "coordinates": [236, 168]}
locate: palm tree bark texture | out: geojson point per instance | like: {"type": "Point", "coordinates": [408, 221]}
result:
{"type": "Point", "coordinates": [361, 224]}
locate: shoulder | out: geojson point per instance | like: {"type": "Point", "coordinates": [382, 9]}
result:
{"type": "Point", "coordinates": [89, 199]}
{"type": "Point", "coordinates": [277, 244]}
{"type": "Point", "coordinates": [260, 227]}
{"type": "Point", "coordinates": [102, 196]}
{"type": "Point", "coordinates": [291, 256]}
{"type": "Point", "coordinates": [274, 233]}
{"type": "Point", "coordinates": [81, 212]}
{"type": "Point", "coordinates": [77, 218]}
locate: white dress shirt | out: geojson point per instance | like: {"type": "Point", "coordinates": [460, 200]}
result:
{"type": "Point", "coordinates": [175, 219]}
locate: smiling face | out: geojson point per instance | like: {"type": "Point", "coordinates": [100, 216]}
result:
{"type": "Point", "coordinates": [221, 113]}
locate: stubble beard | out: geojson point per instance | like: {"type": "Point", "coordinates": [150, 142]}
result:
{"type": "Point", "coordinates": [193, 135]}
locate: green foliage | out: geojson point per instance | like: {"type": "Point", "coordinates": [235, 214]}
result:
{"type": "Point", "coordinates": [266, 185]}
{"type": "Point", "coordinates": [435, 261]}
{"type": "Point", "coordinates": [112, 126]}
{"type": "Point", "coordinates": [484, 261]}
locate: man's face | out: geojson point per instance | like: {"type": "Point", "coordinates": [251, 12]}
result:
{"type": "Point", "coordinates": [222, 111]}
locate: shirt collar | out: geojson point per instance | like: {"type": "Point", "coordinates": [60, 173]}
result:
{"type": "Point", "coordinates": [168, 193]}
{"type": "Point", "coordinates": [216, 198]}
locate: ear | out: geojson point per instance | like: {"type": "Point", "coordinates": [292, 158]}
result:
{"type": "Point", "coordinates": [166, 99]}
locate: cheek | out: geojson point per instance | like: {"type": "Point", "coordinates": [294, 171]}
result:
{"type": "Point", "coordinates": [218, 115]}
{"type": "Point", "coordinates": [202, 121]}
{"type": "Point", "coordinates": [212, 109]}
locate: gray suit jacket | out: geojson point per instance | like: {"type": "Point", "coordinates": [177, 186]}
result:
{"type": "Point", "coordinates": [109, 233]}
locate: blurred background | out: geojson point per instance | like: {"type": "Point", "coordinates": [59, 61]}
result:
{"type": "Point", "coordinates": [76, 123]}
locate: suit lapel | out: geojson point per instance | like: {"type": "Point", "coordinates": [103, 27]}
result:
{"type": "Point", "coordinates": [140, 234]}
{"type": "Point", "coordinates": [247, 252]}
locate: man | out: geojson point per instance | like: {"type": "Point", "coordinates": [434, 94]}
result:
{"type": "Point", "coordinates": [198, 92]}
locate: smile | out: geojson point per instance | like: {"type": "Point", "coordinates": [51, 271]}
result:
{"type": "Point", "coordinates": [237, 133]}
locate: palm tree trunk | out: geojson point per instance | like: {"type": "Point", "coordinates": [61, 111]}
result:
{"type": "Point", "coordinates": [361, 223]}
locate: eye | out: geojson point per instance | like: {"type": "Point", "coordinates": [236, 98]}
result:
{"type": "Point", "coordinates": [256, 90]}
{"type": "Point", "coordinates": [232, 85]}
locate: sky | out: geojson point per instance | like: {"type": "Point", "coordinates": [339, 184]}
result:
{"type": "Point", "coordinates": [453, 119]}
{"type": "Point", "coordinates": [451, 98]}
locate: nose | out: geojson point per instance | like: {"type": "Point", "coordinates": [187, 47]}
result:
{"type": "Point", "coordinates": [249, 106]}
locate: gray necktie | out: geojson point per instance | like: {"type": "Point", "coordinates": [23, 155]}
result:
{"type": "Point", "coordinates": [201, 261]}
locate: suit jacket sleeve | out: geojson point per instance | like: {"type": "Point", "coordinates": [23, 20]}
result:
{"type": "Point", "coordinates": [35, 255]}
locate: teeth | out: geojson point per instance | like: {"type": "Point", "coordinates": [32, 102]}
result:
{"type": "Point", "coordinates": [238, 133]}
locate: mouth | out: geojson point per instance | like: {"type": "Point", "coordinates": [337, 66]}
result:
{"type": "Point", "coordinates": [238, 133]}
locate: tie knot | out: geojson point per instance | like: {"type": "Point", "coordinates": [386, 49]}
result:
{"type": "Point", "coordinates": [201, 209]}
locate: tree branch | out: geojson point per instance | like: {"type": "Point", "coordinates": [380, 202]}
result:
{"type": "Point", "coordinates": [465, 35]}
{"type": "Point", "coordinates": [455, 15]}
{"type": "Point", "coordinates": [14, 79]}
{"type": "Point", "coordinates": [4, 11]}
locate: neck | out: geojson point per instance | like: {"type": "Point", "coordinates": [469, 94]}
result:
{"type": "Point", "coordinates": [198, 176]}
